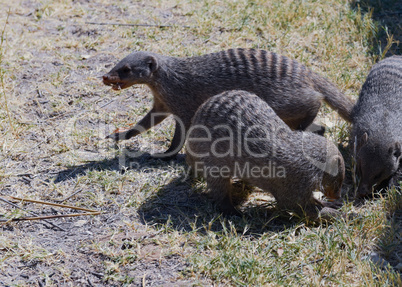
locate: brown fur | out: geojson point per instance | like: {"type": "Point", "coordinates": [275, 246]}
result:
{"type": "Point", "coordinates": [377, 126]}
{"type": "Point", "coordinates": [308, 161]}
{"type": "Point", "coordinates": [181, 85]}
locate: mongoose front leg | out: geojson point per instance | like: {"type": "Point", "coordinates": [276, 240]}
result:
{"type": "Point", "coordinates": [221, 190]}
{"type": "Point", "coordinates": [328, 211]}
{"type": "Point", "coordinates": [152, 118]}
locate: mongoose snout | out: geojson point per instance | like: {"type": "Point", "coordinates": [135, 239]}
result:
{"type": "Point", "coordinates": [113, 81]}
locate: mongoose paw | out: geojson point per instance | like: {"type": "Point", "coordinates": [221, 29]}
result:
{"type": "Point", "coordinates": [336, 204]}
{"type": "Point", "coordinates": [117, 136]}
{"type": "Point", "coordinates": [359, 201]}
{"type": "Point", "coordinates": [329, 214]}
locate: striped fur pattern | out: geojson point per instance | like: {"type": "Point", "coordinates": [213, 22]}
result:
{"type": "Point", "coordinates": [377, 126]}
{"type": "Point", "coordinates": [181, 85]}
{"type": "Point", "coordinates": [293, 164]}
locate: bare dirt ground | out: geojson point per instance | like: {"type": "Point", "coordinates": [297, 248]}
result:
{"type": "Point", "coordinates": [55, 114]}
{"type": "Point", "coordinates": [59, 106]}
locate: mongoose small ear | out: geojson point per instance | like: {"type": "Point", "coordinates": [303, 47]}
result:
{"type": "Point", "coordinates": [396, 150]}
{"type": "Point", "coordinates": [364, 138]}
{"type": "Point", "coordinates": [152, 64]}
{"type": "Point", "coordinates": [362, 141]}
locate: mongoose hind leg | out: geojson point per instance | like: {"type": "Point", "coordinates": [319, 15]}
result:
{"type": "Point", "coordinates": [176, 145]}
{"type": "Point", "coordinates": [303, 116]}
{"type": "Point", "coordinates": [309, 118]}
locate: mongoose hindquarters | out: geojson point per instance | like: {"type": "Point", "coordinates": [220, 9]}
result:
{"type": "Point", "coordinates": [236, 134]}
{"type": "Point", "coordinates": [181, 85]}
{"type": "Point", "coordinates": [377, 126]}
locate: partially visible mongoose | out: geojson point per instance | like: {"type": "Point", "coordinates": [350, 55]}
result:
{"type": "Point", "coordinates": [236, 134]}
{"type": "Point", "coordinates": [181, 85]}
{"type": "Point", "coordinates": [377, 126]}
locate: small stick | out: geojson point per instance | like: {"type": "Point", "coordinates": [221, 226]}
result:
{"type": "Point", "coordinates": [53, 204]}
{"type": "Point", "coordinates": [31, 212]}
{"type": "Point", "coordinates": [137, 25]}
{"type": "Point", "coordinates": [50, 216]}
{"type": "Point", "coordinates": [108, 103]}
{"type": "Point", "coordinates": [143, 280]}
{"type": "Point", "coordinates": [70, 196]}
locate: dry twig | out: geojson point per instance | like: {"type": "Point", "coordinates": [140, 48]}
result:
{"type": "Point", "coordinates": [50, 216]}
{"type": "Point", "coordinates": [31, 212]}
{"type": "Point", "coordinates": [137, 25]}
{"type": "Point", "coordinates": [44, 218]}
{"type": "Point", "coordinates": [53, 204]}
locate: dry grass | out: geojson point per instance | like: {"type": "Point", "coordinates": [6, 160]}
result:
{"type": "Point", "coordinates": [157, 228]}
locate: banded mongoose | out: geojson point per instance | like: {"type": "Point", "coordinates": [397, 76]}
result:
{"type": "Point", "coordinates": [236, 134]}
{"type": "Point", "coordinates": [181, 85]}
{"type": "Point", "coordinates": [377, 126]}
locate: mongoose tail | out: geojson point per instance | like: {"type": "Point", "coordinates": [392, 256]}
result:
{"type": "Point", "coordinates": [334, 97]}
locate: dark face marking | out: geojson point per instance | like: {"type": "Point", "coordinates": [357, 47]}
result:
{"type": "Point", "coordinates": [136, 68]}
{"type": "Point", "coordinates": [375, 165]}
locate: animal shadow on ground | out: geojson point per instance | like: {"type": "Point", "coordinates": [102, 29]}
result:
{"type": "Point", "coordinates": [118, 163]}
{"type": "Point", "coordinates": [188, 208]}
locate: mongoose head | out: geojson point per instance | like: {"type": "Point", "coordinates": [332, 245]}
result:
{"type": "Point", "coordinates": [375, 163]}
{"type": "Point", "coordinates": [136, 68]}
{"type": "Point", "coordinates": [334, 175]}
{"type": "Point", "coordinates": [326, 161]}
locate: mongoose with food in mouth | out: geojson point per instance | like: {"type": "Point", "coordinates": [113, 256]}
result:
{"type": "Point", "coordinates": [181, 85]}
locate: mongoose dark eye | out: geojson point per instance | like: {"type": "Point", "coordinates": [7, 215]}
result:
{"type": "Point", "coordinates": [126, 69]}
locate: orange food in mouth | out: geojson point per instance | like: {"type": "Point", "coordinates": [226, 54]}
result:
{"type": "Point", "coordinates": [120, 130]}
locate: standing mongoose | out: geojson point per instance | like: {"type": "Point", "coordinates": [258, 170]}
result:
{"type": "Point", "coordinates": [377, 126]}
{"type": "Point", "coordinates": [181, 85]}
{"type": "Point", "coordinates": [237, 134]}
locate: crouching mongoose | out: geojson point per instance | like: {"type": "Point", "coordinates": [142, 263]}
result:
{"type": "Point", "coordinates": [377, 126]}
{"type": "Point", "coordinates": [236, 134]}
{"type": "Point", "coordinates": [181, 85]}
